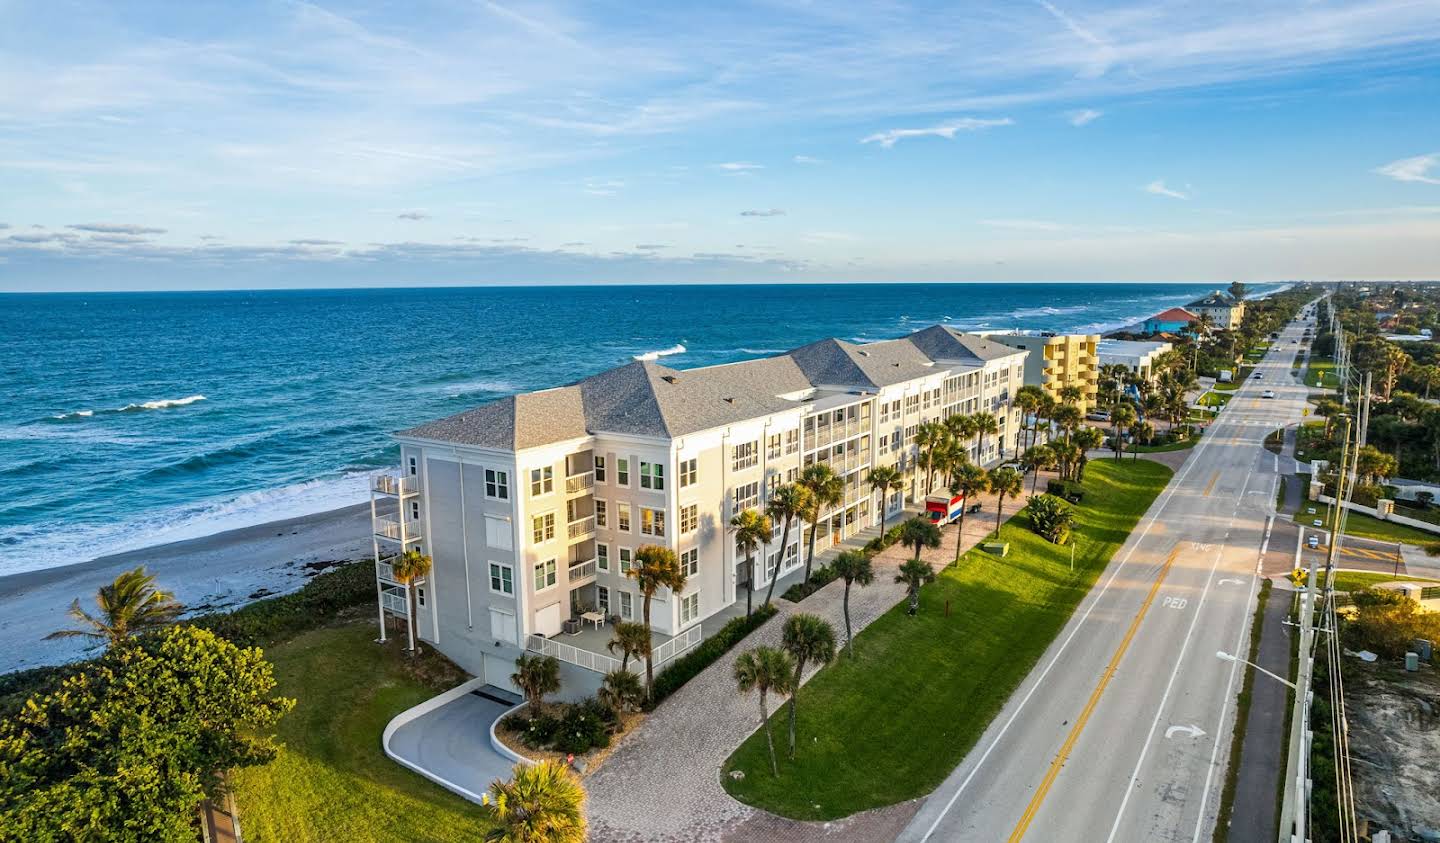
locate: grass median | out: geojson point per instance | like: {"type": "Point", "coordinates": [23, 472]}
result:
{"type": "Point", "coordinates": [892, 722]}
{"type": "Point", "coordinates": [332, 781]}
{"type": "Point", "coordinates": [1321, 372]}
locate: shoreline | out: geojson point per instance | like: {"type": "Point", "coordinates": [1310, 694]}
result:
{"type": "Point", "coordinates": [217, 572]}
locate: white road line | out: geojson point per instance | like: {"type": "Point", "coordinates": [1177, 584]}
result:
{"type": "Point", "coordinates": [1169, 685]}
{"type": "Point", "coordinates": [1205, 441]}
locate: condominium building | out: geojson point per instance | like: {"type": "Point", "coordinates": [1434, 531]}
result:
{"type": "Point", "coordinates": [1059, 360]}
{"type": "Point", "coordinates": [1224, 310]}
{"type": "Point", "coordinates": [532, 507]}
{"type": "Point", "coordinates": [1137, 356]}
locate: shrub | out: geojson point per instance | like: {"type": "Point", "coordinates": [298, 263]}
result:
{"type": "Point", "coordinates": [1067, 489]}
{"type": "Point", "coordinates": [1051, 518]}
{"type": "Point", "coordinates": [880, 542]}
{"type": "Point", "coordinates": [688, 666]}
{"type": "Point", "coordinates": [582, 728]}
{"type": "Point", "coordinates": [1387, 622]}
{"type": "Point", "coordinates": [539, 730]}
{"type": "Point", "coordinates": [819, 578]}
{"type": "Point", "coordinates": [313, 606]}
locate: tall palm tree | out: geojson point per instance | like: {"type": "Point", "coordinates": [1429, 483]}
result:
{"type": "Point", "coordinates": [962, 429]}
{"type": "Point", "coordinates": [128, 606]}
{"type": "Point", "coordinates": [1142, 431]}
{"type": "Point", "coordinates": [1045, 413]}
{"type": "Point", "coordinates": [969, 480]}
{"type": "Point", "coordinates": [536, 676]}
{"type": "Point", "coordinates": [1087, 439]}
{"type": "Point", "coordinates": [412, 567]}
{"type": "Point", "coordinates": [915, 574]}
{"type": "Point", "coordinates": [542, 803]}
{"type": "Point", "coordinates": [1071, 394]}
{"type": "Point", "coordinates": [1068, 417]}
{"type": "Point", "coordinates": [852, 566]}
{"type": "Point", "coordinates": [631, 640]}
{"type": "Point", "coordinates": [654, 567]}
{"type": "Point", "coordinates": [807, 638]}
{"type": "Point", "coordinates": [885, 479]}
{"type": "Point", "coordinates": [827, 490]}
{"type": "Point", "coordinates": [751, 531]}
{"type": "Point", "coordinates": [919, 533]}
{"type": "Point", "coordinates": [786, 504]}
{"type": "Point", "coordinates": [983, 425]}
{"type": "Point", "coordinates": [1005, 482]}
{"type": "Point", "coordinates": [928, 436]}
{"type": "Point", "coordinates": [767, 670]}
{"type": "Point", "coordinates": [1122, 415]}
{"type": "Point", "coordinates": [1035, 459]}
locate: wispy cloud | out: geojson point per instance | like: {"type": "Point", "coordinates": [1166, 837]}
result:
{"type": "Point", "coordinates": [767, 212]}
{"type": "Point", "coordinates": [413, 215]}
{"type": "Point", "coordinates": [739, 166]}
{"type": "Point", "coordinates": [807, 159]}
{"type": "Point", "coordinates": [1412, 169]}
{"type": "Point", "coordinates": [314, 242]}
{"type": "Point", "coordinates": [116, 228]}
{"type": "Point", "coordinates": [1158, 188]}
{"type": "Point", "coordinates": [945, 130]}
{"type": "Point", "coordinates": [1083, 116]}
{"type": "Point", "coordinates": [651, 247]}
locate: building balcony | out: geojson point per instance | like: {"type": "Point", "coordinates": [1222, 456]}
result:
{"type": "Point", "coordinates": [587, 648]}
{"type": "Point", "coordinates": [385, 571]}
{"type": "Point", "coordinates": [395, 602]}
{"type": "Point", "coordinates": [581, 573]}
{"type": "Point", "coordinates": [581, 529]}
{"type": "Point", "coordinates": [581, 483]}
{"type": "Point", "coordinates": [397, 531]}
{"type": "Point", "coordinates": [394, 486]}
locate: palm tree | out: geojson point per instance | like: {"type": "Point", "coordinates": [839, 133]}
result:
{"type": "Point", "coordinates": [542, 803]}
{"type": "Point", "coordinates": [412, 567]}
{"type": "Point", "coordinates": [970, 480]}
{"type": "Point", "coordinates": [806, 638]}
{"type": "Point", "coordinates": [962, 430]}
{"type": "Point", "coordinates": [914, 574]}
{"type": "Point", "coordinates": [983, 425]}
{"type": "Point", "coordinates": [1143, 431]}
{"type": "Point", "coordinates": [1035, 459]}
{"type": "Point", "coordinates": [885, 479]}
{"type": "Point", "coordinates": [1068, 417]}
{"type": "Point", "coordinates": [919, 533]}
{"type": "Point", "coordinates": [786, 504]}
{"type": "Point", "coordinates": [765, 669]}
{"type": "Point", "coordinates": [1071, 395]}
{"type": "Point", "coordinates": [654, 567]}
{"type": "Point", "coordinates": [1122, 416]}
{"type": "Point", "coordinates": [1046, 413]}
{"type": "Point", "coordinates": [826, 489]}
{"type": "Point", "coordinates": [621, 691]}
{"type": "Point", "coordinates": [1087, 439]}
{"type": "Point", "coordinates": [130, 605]}
{"type": "Point", "coordinates": [631, 640]}
{"type": "Point", "coordinates": [928, 435]}
{"type": "Point", "coordinates": [1004, 482]}
{"type": "Point", "coordinates": [852, 566]}
{"type": "Point", "coordinates": [1029, 399]}
{"type": "Point", "coordinates": [536, 676]}
{"type": "Point", "coordinates": [751, 531]}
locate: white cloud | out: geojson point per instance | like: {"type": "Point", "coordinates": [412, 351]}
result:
{"type": "Point", "coordinates": [739, 166]}
{"type": "Point", "coordinates": [1084, 116]}
{"type": "Point", "coordinates": [806, 159]}
{"type": "Point", "coordinates": [945, 130]}
{"type": "Point", "coordinates": [116, 228]}
{"type": "Point", "coordinates": [767, 212]}
{"type": "Point", "coordinates": [1412, 169]}
{"type": "Point", "coordinates": [1158, 188]}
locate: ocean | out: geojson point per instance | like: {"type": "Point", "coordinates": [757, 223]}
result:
{"type": "Point", "coordinates": [133, 419]}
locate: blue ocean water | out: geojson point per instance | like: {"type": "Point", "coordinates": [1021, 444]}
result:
{"type": "Point", "coordinates": [131, 419]}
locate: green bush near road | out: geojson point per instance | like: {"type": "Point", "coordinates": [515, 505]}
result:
{"type": "Point", "coordinates": [890, 723]}
{"type": "Point", "coordinates": [1320, 372]}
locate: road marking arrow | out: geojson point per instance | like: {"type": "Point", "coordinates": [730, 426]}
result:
{"type": "Point", "coordinates": [1191, 731]}
{"type": "Point", "coordinates": [1230, 579]}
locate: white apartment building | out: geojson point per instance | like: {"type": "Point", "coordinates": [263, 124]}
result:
{"type": "Point", "coordinates": [533, 506]}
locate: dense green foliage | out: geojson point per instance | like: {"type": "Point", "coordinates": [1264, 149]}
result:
{"type": "Point", "coordinates": [543, 803]}
{"type": "Point", "coordinates": [688, 666]}
{"type": "Point", "coordinates": [316, 604]}
{"type": "Point", "coordinates": [565, 727]}
{"type": "Point", "coordinates": [1066, 489]}
{"type": "Point", "coordinates": [819, 578]}
{"type": "Point", "coordinates": [1388, 622]}
{"type": "Point", "coordinates": [1051, 517]}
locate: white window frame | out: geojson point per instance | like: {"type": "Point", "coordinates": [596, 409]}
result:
{"type": "Point", "coordinates": [545, 526]}
{"type": "Point", "coordinates": [689, 608]}
{"type": "Point", "coordinates": [414, 466]}
{"type": "Point", "coordinates": [547, 571]}
{"type": "Point", "coordinates": [656, 526]}
{"type": "Point", "coordinates": [689, 472]}
{"type": "Point", "coordinates": [598, 466]}
{"type": "Point", "coordinates": [623, 521]}
{"type": "Point", "coordinates": [652, 476]}
{"type": "Point", "coordinates": [497, 484]}
{"type": "Point", "coordinates": [689, 519]}
{"type": "Point", "coordinates": [497, 571]}
{"type": "Point", "coordinates": [602, 513]}
{"type": "Point", "coordinates": [626, 556]}
{"type": "Point", "coordinates": [602, 599]}
{"type": "Point", "coordinates": [622, 471]}
{"type": "Point", "coordinates": [627, 605]}
{"type": "Point", "coordinates": [690, 561]}
{"type": "Point", "coordinates": [542, 481]}
{"type": "Point", "coordinates": [602, 560]}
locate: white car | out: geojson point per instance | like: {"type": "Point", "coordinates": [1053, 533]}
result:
{"type": "Point", "coordinates": [1312, 542]}
{"type": "Point", "coordinates": [1269, 393]}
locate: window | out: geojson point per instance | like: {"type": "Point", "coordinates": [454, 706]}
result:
{"type": "Point", "coordinates": [690, 561]}
{"type": "Point", "coordinates": [414, 467]}
{"type": "Point", "coordinates": [746, 497]}
{"type": "Point", "coordinates": [625, 560]}
{"type": "Point", "coordinates": [544, 575]}
{"type": "Point", "coordinates": [602, 556]}
{"type": "Point", "coordinates": [622, 471]}
{"type": "Point", "coordinates": [602, 599]}
{"type": "Point", "coordinates": [627, 605]}
{"type": "Point", "coordinates": [687, 472]}
{"type": "Point", "coordinates": [689, 518]}
{"type": "Point", "coordinates": [912, 404]}
{"type": "Point", "coordinates": [884, 443]}
{"type": "Point", "coordinates": [773, 444]}
{"type": "Point", "coordinates": [884, 412]}
{"type": "Point", "coordinates": [419, 596]}
{"type": "Point", "coordinates": [602, 514]}
{"type": "Point", "coordinates": [792, 441]}
{"type": "Point", "coordinates": [544, 527]}
{"type": "Point", "coordinates": [414, 510]}
{"type": "Point", "coordinates": [502, 578]}
{"type": "Point", "coordinates": [599, 469]}
{"type": "Point", "coordinates": [690, 608]}
{"type": "Point", "coordinates": [652, 521]}
{"type": "Point", "coordinates": [622, 517]}
{"type": "Point", "coordinates": [497, 533]}
{"type": "Point", "coordinates": [746, 455]}
{"type": "Point", "coordinates": [497, 484]}
{"type": "Point", "coordinates": [542, 481]}
{"type": "Point", "coordinates": [652, 476]}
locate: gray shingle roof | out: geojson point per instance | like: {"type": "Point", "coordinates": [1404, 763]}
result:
{"type": "Point", "coordinates": [1215, 299]}
{"type": "Point", "coordinates": [939, 342]}
{"type": "Point", "coordinates": [835, 362]}
{"type": "Point", "coordinates": [509, 424]}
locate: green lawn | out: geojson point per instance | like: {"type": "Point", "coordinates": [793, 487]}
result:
{"type": "Point", "coordinates": [1321, 372]}
{"type": "Point", "coordinates": [1367, 527]}
{"type": "Point", "coordinates": [1356, 580]}
{"type": "Point", "coordinates": [891, 723]}
{"type": "Point", "coordinates": [1214, 399]}
{"type": "Point", "coordinates": [333, 781]}
{"type": "Point", "coordinates": [1181, 445]}
{"type": "Point", "coordinates": [1227, 387]}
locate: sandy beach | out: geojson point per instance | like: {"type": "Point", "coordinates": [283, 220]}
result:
{"type": "Point", "coordinates": [221, 571]}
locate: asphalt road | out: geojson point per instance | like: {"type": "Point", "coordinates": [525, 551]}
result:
{"type": "Point", "coordinates": [1122, 729]}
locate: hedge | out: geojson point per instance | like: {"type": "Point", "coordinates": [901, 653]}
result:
{"type": "Point", "coordinates": [688, 666]}
{"type": "Point", "coordinates": [819, 578]}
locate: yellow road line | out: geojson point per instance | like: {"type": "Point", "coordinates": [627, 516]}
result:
{"type": "Point", "coordinates": [1213, 478]}
{"type": "Point", "coordinates": [1065, 748]}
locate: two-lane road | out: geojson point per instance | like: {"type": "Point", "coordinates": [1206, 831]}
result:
{"type": "Point", "coordinates": [1121, 731]}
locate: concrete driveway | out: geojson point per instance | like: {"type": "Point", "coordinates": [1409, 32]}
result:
{"type": "Point", "coordinates": [450, 744]}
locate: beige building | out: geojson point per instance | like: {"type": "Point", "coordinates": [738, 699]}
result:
{"type": "Point", "coordinates": [1224, 311]}
{"type": "Point", "coordinates": [1140, 357]}
{"type": "Point", "coordinates": [532, 507]}
{"type": "Point", "coordinates": [1059, 360]}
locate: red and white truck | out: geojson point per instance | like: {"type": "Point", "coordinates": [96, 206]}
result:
{"type": "Point", "coordinates": [944, 509]}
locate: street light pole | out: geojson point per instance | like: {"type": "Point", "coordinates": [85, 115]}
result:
{"type": "Point", "coordinates": [1224, 656]}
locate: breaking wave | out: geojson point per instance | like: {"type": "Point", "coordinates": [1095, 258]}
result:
{"type": "Point", "coordinates": [677, 348]}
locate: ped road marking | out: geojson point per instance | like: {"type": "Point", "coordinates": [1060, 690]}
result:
{"type": "Point", "coordinates": [1069, 744]}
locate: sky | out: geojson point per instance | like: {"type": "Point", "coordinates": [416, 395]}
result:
{"type": "Point", "coordinates": [208, 145]}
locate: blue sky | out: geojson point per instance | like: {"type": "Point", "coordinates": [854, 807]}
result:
{"type": "Point", "coordinates": [202, 145]}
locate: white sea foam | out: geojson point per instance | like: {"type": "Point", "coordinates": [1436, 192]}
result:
{"type": "Point", "coordinates": [78, 414]}
{"type": "Point", "coordinates": [1029, 312]}
{"type": "Point", "coordinates": [761, 350]}
{"type": "Point", "coordinates": [161, 404]}
{"type": "Point", "coordinates": [455, 390]}
{"type": "Point", "coordinates": [31, 547]}
{"type": "Point", "coordinates": [677, 348]}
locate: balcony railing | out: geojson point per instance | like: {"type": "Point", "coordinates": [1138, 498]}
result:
{"type": "Point", "coordinates": [576, 483]}
{"type": "Point", "coordinates": [582, 572]}
{"type": "Point", "coordinates": [574, 655]}
{"type": "Point", "coordinates": [385, 571]}
{"type": "Point", "coordinates": [582, 528]}
{"type": "Point", "coordinates": [677, 645]}
{"type": "Point", "coordinates": [389, 528]}
{"type": "Point", "coordinates": [395, 602]}
{"type": "Point", "coordinates": [389, 484]}
{"type": "Point", "coordinates": [828, 433]}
